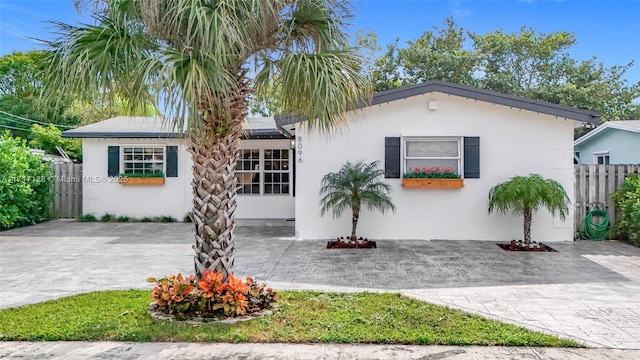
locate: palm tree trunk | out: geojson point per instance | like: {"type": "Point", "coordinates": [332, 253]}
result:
{"type": "Point", "coordinates": [354, 225]}
{"type": "Point", "coordinates": [215, 154]}
{"type": "Point", "coordinates": [527, 227]}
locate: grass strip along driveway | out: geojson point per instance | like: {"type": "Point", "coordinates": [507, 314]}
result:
{"type": "Point", "coordinates": [305, 317]}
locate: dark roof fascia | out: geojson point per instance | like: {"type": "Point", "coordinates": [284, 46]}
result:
{"type": "Point", "coordinates": [471, 93]}
{"type": "Point", "coordinates": [278, 133]}
{"type": "Point", "coordinates": [268, 134]}
{"type": "Point", "coordinates": [263, 136]}
{"type": "Point", "coordinates": [121, 135]}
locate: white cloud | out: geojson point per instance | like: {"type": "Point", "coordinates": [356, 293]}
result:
{"type": "Point", "coordinates": [458, 9]}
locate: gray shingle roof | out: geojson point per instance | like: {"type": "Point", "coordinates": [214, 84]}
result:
{"type": "Point", "coordinates": [159, 127]}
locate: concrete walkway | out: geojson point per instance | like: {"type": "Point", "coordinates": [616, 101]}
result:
{"type": "Point", "coordinates": [194, 351]}
{"type": "Point", "coordinates": [587, 291]}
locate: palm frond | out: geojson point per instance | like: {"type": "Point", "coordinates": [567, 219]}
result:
{"type": "Point", "coordinates": [529, 193]}
{"type": "Point", "coordinates": [190, 55]}
{"type": "Point", "coordinates": [315, 25]}
{"type": "Point", "coordinates": [353, 186]}
{"type": "Point", "coordinates": [312, 66]}
{"type": "Point", "coordinates": [89, 60]}
{"type": "Point", "coordinates": [321, 87]}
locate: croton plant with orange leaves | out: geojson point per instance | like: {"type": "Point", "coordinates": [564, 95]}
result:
{"type": "Point", "coordinates": [211, 296]}
{"type": "Point", "coordinates": [173, 292]}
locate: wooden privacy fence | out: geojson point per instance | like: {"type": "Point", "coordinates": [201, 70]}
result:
{"type": "Point", "coordinates": [595, 183]}
{"type": "Point", "coordinates": [67, 191]}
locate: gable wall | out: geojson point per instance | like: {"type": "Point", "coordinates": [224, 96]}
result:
{"type": "Point", "coordinates": [512, 142]}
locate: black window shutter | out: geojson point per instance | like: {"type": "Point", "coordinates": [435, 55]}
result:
{"type": "Point", "coordinates": [113, 164]}
{"type": "Point", "coordinates": [172, 161]}
{"type": "Point", "coordinates": [472, 157]}
{"type": "Point", "coordinates": [392, 157]}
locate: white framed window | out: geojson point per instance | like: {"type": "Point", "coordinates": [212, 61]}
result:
{"type": "Point", "coordinates": [143, 159]}
{"type": "Point", "coordinates": [264, 172]}
{"type": "Point", "coordinates": [276, 171]}
{"type": "Point", "coordinates": [429, 152]}
{"type": "Point", "coordinates": [601, 158]}
{"type": "Point", "coordinates": [248, 172]}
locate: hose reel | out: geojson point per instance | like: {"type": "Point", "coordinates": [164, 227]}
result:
{"type": "Point", "coordinates": [596, 224]}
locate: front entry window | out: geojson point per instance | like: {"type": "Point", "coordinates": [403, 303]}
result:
{"type": "Point", "coordinates": [276, 171]}
{"type": "Point", "coordinates": [264, 172]}
{"type": "Point", "coordinates": [248, 171]}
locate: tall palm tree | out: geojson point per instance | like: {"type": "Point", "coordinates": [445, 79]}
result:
{"type": "Point", "coordinates": [524, 195]}
{"type": "Point", "coordinates": [201, 60]}
{"type": "Point", "coordinates": [352, 187]}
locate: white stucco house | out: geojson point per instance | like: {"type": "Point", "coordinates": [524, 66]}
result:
{"type": "Point", "coordinates": [487, 137]}
{"type": "Point", "coordinates": [614, 142]}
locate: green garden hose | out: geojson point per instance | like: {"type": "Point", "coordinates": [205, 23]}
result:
{"type": "Point", "coordinates": [595, 225]}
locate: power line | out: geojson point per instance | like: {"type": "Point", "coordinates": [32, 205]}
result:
{"type": "Point", "coordinates": [14, 128]}
{"type": "Point", "coordinates": [17, 121]}
{"type": "Point", "coordinates": [35, 121]}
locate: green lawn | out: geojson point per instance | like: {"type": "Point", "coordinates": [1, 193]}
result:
{"type": "Point", "coordinates": [304, 317]}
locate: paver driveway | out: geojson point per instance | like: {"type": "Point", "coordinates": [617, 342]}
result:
{"type": "Point", "coordinates": [588, 291]}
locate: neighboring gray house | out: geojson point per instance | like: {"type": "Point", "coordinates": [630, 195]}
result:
{"type": "Point", "coordinates": [614, 142]}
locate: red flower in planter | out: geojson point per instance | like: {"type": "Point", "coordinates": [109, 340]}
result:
{"type": "Point", "coordinates": [435, 172]}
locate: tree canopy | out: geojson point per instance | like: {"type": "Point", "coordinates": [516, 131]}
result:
{"type": "Point", "coordinates": [24, 106]}
{"type": "Point", "coordinates": [21, 75]}
{"type": "Point", "coordinates": [526, 63]}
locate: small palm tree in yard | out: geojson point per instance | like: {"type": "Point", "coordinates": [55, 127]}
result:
{"type": "Point", "coordinates": [524, 195]}
{"type": "Point", "coordinates": [203, 60]}
{"type": "Point", "coordinates": [352, 187]}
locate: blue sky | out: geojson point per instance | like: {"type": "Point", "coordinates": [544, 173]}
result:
{"type": "Point", "coordinates": [608, 30]}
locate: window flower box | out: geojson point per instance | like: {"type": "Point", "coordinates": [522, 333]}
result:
{"type": "Point", "coordinates": [125, 180]}
{"type": "Point", "coordinates": [432, 183]}
{"type": "Point", "coordinates": [432, 178]}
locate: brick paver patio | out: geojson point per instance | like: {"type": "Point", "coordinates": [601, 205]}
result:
{"type": "Point", "coordinates": [588, 291]}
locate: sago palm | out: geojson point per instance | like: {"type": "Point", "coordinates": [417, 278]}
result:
{"type": "Point", "coordinates": [352, 187]}
{"type": "Point", "coordinates": [200, 60]}
{"type": "Point", "coordinates": [524, 195]}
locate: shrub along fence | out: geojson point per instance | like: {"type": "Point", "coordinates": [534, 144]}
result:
{"type": "Point", "coordinates": [595, 183]}
{"type": "Point", "coordinates": [67, 191]}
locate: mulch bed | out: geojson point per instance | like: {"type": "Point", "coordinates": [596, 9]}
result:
{"type": "Point", "coordinates": [521, 246]}
{"type": "Point", "coordinates": [346, 243]}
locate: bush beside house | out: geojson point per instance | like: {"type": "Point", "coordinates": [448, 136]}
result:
{"type": "Point", "coordinates": [627, 199]}
{"type": "Point", "coordinates": [25, 184]}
